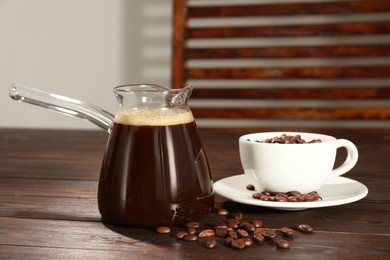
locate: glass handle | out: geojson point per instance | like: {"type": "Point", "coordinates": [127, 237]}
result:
{"type": "Point", "coordinates": [61, 104]}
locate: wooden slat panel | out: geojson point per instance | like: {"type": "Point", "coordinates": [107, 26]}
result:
{"type": "Point", "coordinates": [358, 28]}
{"type": "Point", "coordinates": [320, 30]}
{"type": "Point", "coordinates": [375, 50]}
{"type": "Point", "coordinates": [348, 7]}
{"type": "Point", "coordinates": [330, 93]}
{"type": "Point", "coordinates": [291, 72]}
{"type": "Point", "coordinates": [178, 43]}
{"type": "Point", "coordinates": [294, 113]}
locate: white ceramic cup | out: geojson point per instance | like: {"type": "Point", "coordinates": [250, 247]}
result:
{"type": "Point", "coordinates": [287, 167]}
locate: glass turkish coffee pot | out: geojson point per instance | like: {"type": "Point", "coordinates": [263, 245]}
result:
{"type": "Point", "coordinates": [154, 171]}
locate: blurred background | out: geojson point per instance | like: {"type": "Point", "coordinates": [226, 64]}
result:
{"type": "Point", "coordinates": [80, 49]}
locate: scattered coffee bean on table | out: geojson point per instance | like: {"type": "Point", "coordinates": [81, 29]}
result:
{"type": "Point", "coordinates": [305, 228]}
{"type": "Point", "coordinates": [191, 230]}
{"type": "Point", "coordinates": [181, 234]}
{"type": "Point", "coordinates": [228, 241]}
{"type": "Point", "coordinates": [238, 215]}
{"type": "Point", "coordinates": [287, 139]}
{"type": "Point", "coordinates": [222, 212]}
{"type": "Point", "coordinates": [210, 244]}
{"type": "Point", "coordinates": [238, 244]}
{"type": "Point", "coordinates": [288, 232]}
{"type": "Point", "coordinates": [291, 196]}
{"type": "Point", "coordinates": [284, 244]}
{"type": "Point", "coordinates": [237, 233]}
{"type": "Point", "coordinates": [258, 238]}
{"type": "Point", "coordinates": [257, 223]}
{"type": "Point", "coordinates": [242, 233]}
{"type": "Point", "coordinates": [268, 233]}
{"type": "Point", "coordinates": [248, 226]}
{"type": "Point", "coordinates": [207, 233]}
{"type": "Point", "coordinates": [163, 230]}
{"type": "Point", "coordinates": [190, 238]}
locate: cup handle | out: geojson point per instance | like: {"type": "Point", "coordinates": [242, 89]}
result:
{"type": "Point", "coordinates": [351, 159]}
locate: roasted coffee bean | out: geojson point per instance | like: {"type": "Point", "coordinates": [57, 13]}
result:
{"type": "Point", "coordinates": [292, 196]}
{"type": "Point", "coordinates": [283, 244]}
{"type": "Point", "coordinates": [239, 233]}
{"type": "Point", "coordinates": [287, 139]}
{"type": "Point", "coordinates": [247, 241]}
{"type": "Point", "coordinates": [258, 238]}
{"type": "Point", "coordinates": [281, 194]}
{"type": "Point", "coordinates": [257, 223]}
{"type": "Point", "coordinates": [163, 230]}
{"type": "Point", "coordinates": [242, 233]}
{"type": "Point", "coordinates": [193, 225]}
{"type": "Point", "coordinates": [281, 198]}
{"type": "Point", "coordinates": [305, 228]}
{"type": "Point", "coordinates": [249, 227]}
{"type": "Point", "coordinates": [238, 215]}
{"type": "Point", "coordinates": [190, 237]}
{"type": "Point", "coordinates": [228, 241]}
{"type": "Point", "coordinates": [210, 244]}
{"type": "Point", "coordinates": [292, 199]}
{"type": "Point", "coordinates": [309, 197]}
{"type": "Point", "coordinates": [294, 193]}
{"type": "Point", "coordinates": [206, 233]}
{"type": "Point", "coordinates": [222, 212]}
{"type": "Point", "coordinates": [238, 244]}
{"type": "Point", "coordinates": [250, 187]}
{"type": "Point", "coordinates": [181, 234]}
{"type": "Point", "coordinates": [243, 222]}
{"type": "Point", "coordinates": [221, 232]}
{"type": "Point", "coordinates": [191, 230]}
{"type": "Point", "coordinates": [315, 195]}
{"type": "Point", "coordinates": [259, 230]}
{"type": "Point", "coordinates": [257, 195]}
{"type": "Point", "coordinates": [233, 234]}
{"type": "Point", "coordinates": [288, 232]}
{"type": "Point", "coordinates": [233, 223]}
{"type": "Point", "coordinates": [268, 234]}
{"type": "Point", "coordinates": [265, 197]}
{"type": "Point", "coordinates": [220, 224]}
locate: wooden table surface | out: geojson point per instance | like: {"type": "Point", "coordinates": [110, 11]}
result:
{"type": "Point", "coordinates": [48, 209]}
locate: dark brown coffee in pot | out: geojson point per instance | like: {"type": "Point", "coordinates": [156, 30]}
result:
{"type": "Point", "coordinates": [154, 171]}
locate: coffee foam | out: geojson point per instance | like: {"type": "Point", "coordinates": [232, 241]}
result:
{"type": "Point", "coordinates": [154, 117]}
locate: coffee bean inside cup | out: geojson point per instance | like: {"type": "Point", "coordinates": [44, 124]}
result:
{"type": "Point", "coordinates": [287, 139]}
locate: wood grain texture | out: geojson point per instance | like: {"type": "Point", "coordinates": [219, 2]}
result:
{"type": "Point", "coordinates": [48, 207]}
{"type": "Point", "coordinates": [342, 29]}
{"type": "Point", "coordinates": [326, 93]}
{"type": "Point", "coordinates": [379, 113]}
{"type": "Point", "coordinates": [374, 50]}
{"type": "Point", "coordinates": [323, 72]}
{"type": "Point", "coordinates": [331, 7]}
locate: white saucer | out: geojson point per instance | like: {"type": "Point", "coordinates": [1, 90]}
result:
{"type": "Point", "coordinates": [337, 191]}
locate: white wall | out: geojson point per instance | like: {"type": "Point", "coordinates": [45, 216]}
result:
{"type": "Point", "coordinates": [80, 49]}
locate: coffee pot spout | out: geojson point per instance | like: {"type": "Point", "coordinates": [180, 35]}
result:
{"type": "Point", "coordinates": [62, 104]}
